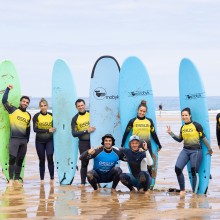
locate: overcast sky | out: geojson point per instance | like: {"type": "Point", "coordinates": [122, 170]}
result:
{"type": "Point", "coordinates": [36, 33]}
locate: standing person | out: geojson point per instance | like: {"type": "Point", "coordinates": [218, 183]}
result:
{"type": "Point", "coordinates": [105, 159]}
{"type": "Point", "coordinates": [160, 108]}
{"type": "Point", "coordinates": [19, 137]}
{"type": "Point", "coordinates": [43, 126]}
{"type": "Point", "coordinates": [218, 129]}
{"type": "Point", "coordinates": [81, 129]}
{"type": "Point", "coordinates": [138, 161]}
{"type": "Point", "coordinates": [190, 133]}
{"type": "Point", "coordinates": [143, 127]}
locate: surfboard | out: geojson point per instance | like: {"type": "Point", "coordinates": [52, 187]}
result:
{"type": "Point", "coordinates": [135, 86]}
{"type": "Point", "coordinates": [8, 75]}
{"type": "Point", "coordinates": [63, 107]}
{"type": "Point", "coordinates": [192, 94]}
{"type": "Point", "coordinates": [104, 101]}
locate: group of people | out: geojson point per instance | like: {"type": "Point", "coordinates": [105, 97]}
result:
{"type": "Point", "coordinates": [106, 157]}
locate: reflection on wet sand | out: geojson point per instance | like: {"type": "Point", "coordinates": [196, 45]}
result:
{"type": "Point", "coordinates": [46, 206]}
{"type": "Point", "coordinates": [72, 202]}
{"type": "Point", "coordinates": [13, 203]}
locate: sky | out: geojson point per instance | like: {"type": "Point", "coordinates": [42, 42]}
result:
{"type": "Point", "coordinates": [161, 33]}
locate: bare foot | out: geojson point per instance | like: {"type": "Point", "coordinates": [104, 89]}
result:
{"type": "Point", "coordinates": [182, 193]}
{"type": "Point", "coordinates": [113, 191]}
{"type": "Point", "coordinates": [11, 183]}
{"type": "Point", "coordinates": [18, 183]}
{"type": "Point", "coordinates": [42, 182]}
{"type": "Point", "coordinates": [51, 182]}
{"type": "Point", "coordinates": [82, 185]}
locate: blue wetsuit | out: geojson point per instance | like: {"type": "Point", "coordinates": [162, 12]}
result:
{"type": "Point", "coordinates": [104, 170]}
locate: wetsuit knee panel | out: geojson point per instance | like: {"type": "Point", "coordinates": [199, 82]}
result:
{"type": "Point", "coordinates": [118, 170]}
{"type": "Point", "coordinates": [178, 171]}
{"type": "Point", "coordinates": [12, 159]}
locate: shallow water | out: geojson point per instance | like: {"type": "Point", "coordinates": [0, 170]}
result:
{"type": "Point", "coordinates": [33, 201]}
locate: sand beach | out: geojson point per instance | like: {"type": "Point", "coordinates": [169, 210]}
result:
{"type": "Point", "coordinates": [33, 201]}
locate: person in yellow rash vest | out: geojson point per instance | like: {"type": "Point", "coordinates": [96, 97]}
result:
{"type": "Point", "coordinates": [20, 133]}
{"type": "Point", "coordinates": [142, 127]}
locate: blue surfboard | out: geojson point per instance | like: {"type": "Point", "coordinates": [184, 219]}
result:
{"type": "Point", "coordinates": [63, 99]}
{"type": "Point", "coordinates": [192, 95]}
{"type": "Point", "coordinates": [104, 101]}
{"type": "Point", "coordinates": [134, 86]}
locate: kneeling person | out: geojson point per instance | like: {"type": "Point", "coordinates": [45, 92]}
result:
{"type": "Point", "coordinates": [138, 161]}
{"type": "Point", "coordinates": [105, 159]}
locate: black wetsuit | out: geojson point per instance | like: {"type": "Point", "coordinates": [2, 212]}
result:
{"type": "Point", "coordinates": [44, 142]}
{"type": "Point", "coordinates": [218, 128]}
{"type": "Point", "coordinates": [19, 136]}
{"type": "Point", "coordinates": [80, 124]}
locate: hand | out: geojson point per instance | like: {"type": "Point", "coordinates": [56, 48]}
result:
{"type": "Point", "coordinates": [169, 130]}
{"type": "Point", "coordinates": [52, 130]}
{"type": "Point", "coordinates": [91, 129]}
{"type": "Point", "coordinates": [144, 145]}
{"type": "Point", "coordinates": [141, 150]}
{"type": "Point", "coordinates": [10, 87]}
{"type": "Point", "coordinates": [210, 152]}
{"type": "Point", "coordinates": [159, 149]}
{"type": "Point", "coordinates": [99, 147]}
{"type": "Point", "coordinates": [91, 151]}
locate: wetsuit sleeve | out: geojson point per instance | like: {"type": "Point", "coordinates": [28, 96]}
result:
{"type": "Point", "coordinates": [8, 107]}
{"type": "Point", "coordinates": [28, 130]}
{"type": "Point", "coordinates": [154, 134]}
{"type": "Point", "coordinates": [75, 132]}
{"type": "Point", "coordinates": [35, 126]}
{"type": "Point", "coordinates": [121, 154]}
{"type": "Point", "coordinates": [199, 128]}
{"type": "Point", "coordinates": [127, 130]}
{"type": "Point", "coordinates": [218, 129]}
{"type": "Point", "coordinates": [177, 138]}
{"type": "Point", "coordinates": [86, 156]}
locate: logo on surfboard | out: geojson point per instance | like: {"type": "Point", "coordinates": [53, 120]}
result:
{"type": "Point", "coordinates": [100, 94]}
{"type": "Point", "coordinates": [140, 93]}
{"type": "Point", "coordinates": [195, 95]}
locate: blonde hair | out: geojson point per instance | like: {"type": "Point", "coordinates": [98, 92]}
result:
{"type": "Point", "coordinates": [43, 100]}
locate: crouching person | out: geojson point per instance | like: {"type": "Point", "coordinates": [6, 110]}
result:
{"type": "Point", "coordinates": [105, 159]}
{"type": "Point", "coordinates": [138, 158]}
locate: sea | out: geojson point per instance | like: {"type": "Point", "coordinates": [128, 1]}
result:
{"type": "Point", "coordinates": [168, 103]}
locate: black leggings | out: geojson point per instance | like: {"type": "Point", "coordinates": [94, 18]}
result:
{"type": "Point", "coordinates": [83, 146]}
{"type": "Point", "coordinates": [47, 148]}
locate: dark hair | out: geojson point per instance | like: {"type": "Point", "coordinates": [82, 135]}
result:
{"type": "Point", "coordinates": [108, 136]}
{"type": "Point", "coordinates": [79, 100]}
{"type": "Point", "coordinates": [25, 97]}
{"type": "Point", "coordinates": [186, 110]}
{"type": "Point", "coordinates": [143, 103]}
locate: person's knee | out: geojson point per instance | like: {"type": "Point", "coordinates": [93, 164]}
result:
{"type": "Point", "coordinates": [12, 159]}
{"type": "Point", "coordinates": [84, 164]}
{"type": "Point", "coordinates": [193, 171]}
{"type": "Point", "coordinates": [124, 178]}
{"type": "Point", "coordinates": [117, 170]}
{"type": "Point", "coordinates": [50, 159]}
{"type": "Point", "coordinates": [178, 171]}
{"type": "Point", "coordinates": [90, 175]}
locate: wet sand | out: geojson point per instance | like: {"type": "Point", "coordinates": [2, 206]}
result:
{"type": "Point", "coordinates": [33, 201]}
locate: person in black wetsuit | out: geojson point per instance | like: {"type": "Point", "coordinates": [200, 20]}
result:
{"type": "Point", "coordinates": [144, 128]}
{"type": "Point", "coordinates": [105, 159]}
{"type": "Point", "coordinates": [81, 128]}
{"type": "Point", "coordinates": [191, 133]}
{"type": "Point", "coordinates": [19, 136]}
{"type": "Point", "coordinates": [138, 161]}
{"type": "Point", "coordinates": [43, 126]}
{"type": "Point", "coordinates": [218, 129]}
